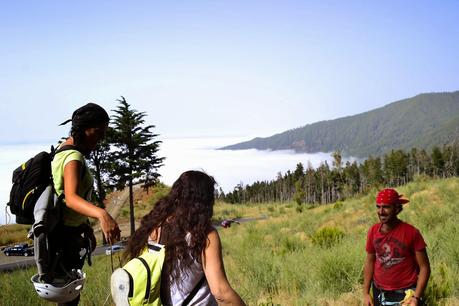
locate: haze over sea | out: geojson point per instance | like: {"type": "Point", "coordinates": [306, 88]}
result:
{"type": "Point", "coordinates": [229, 168]}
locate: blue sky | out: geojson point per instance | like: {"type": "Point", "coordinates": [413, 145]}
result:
{"type": "Point", "coordinates": [219, 68]}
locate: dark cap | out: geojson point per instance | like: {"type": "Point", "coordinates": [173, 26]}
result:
{"type": "Point", "coordinates": [88, 115]}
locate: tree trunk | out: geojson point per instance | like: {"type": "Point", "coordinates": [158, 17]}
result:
{"type": "Point", "coordinates": [131, 207]}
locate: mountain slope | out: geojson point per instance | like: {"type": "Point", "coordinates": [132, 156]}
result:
{"type": "Point", "coordinates": [422, 121]}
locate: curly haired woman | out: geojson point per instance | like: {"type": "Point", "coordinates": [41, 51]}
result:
{"type": "Point", "coordinates": [182, 222]}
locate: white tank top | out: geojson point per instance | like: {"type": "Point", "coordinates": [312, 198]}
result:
{"type": "Point", "coordinates": [179, 292]}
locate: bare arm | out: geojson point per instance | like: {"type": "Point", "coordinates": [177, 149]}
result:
{"type": "Point", "coordinates": [424, 273]}
{"type": "Point", "coordinates": [368, 270]}
{"type": "Point", "coordinates": [75, 202]}
{"type": "Point", "coordinates": [215, 273]}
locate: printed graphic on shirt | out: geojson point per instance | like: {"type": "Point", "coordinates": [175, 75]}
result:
{"type": "Point", "coordinates": [389, 252]}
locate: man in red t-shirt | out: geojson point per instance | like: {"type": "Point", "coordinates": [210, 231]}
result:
{"type": "Point", "coordinates": [396, 256]}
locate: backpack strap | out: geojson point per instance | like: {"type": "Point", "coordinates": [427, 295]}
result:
{"type": "Point", "coordinates": [198, 285]}
{"type": "Point", "coordinates": [194, 291]}
{"type": "Point", "coordinates": [148, 286]}
{"type": "Point", "coordinates": [64, 148]}
{"type": "Point", "coordinates": [154, 247]}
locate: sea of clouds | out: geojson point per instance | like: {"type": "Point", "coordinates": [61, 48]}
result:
{"type": "Point", "coordinates": [229, 168]}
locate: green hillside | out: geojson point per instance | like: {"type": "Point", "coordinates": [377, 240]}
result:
{"type": "Point", "coordinates": [309, 258]}
{"type": "Point", "coordinates": [316, 257]}
{"type": "Point", "coordinates": [423, 121]}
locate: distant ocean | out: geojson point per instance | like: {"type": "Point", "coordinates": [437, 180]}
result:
{"type": "Point", "coordinates": [229, 168]}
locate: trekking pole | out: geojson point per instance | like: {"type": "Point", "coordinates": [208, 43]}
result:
{"type": "Point", "coordinates": [111, 256]}
{"type": "Point", "coordinates": [111, 263]}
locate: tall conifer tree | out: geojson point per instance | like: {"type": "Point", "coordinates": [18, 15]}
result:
{"type": "Point", "coordinates": [135, 159]}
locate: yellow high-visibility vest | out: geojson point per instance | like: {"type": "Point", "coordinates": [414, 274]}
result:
{"type": "Point", "coordinates": [145, 276]}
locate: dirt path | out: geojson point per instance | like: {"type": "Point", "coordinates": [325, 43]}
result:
{"type": "Point", "coordinates": [115, 202]}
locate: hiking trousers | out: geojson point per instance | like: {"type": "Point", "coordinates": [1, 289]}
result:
{"type": "Point", "coordinates": [383, 297]}
{"type": "Point", "coordinates": [71, 242]}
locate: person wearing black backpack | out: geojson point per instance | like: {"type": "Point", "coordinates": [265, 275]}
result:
{"type": "Point", "coordinates": [71, 177]}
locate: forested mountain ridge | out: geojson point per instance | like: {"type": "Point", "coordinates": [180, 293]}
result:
{"type": "Point", "coordinates": [423, 121]}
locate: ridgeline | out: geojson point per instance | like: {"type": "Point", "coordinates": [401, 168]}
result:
{"type": "Point", "coordinates": [423, 121]}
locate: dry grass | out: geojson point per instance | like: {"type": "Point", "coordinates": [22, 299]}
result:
{"type": "Point", "coordinates": [274, 262]}
{"type": "Point", "coordinates": [14, 233]}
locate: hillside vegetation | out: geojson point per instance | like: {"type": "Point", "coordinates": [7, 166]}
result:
{"type": "Point", "coordinates": [309, 258]}
{"type": "Point", "coordinates": [423, 121]}
{"type": "Point", "coordinates": [316, 257]}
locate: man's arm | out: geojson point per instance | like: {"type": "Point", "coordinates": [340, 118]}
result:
{"type": "Point", "coordinates": [368, 270]}
{"type": "Point", "coordinates": [424, 272]}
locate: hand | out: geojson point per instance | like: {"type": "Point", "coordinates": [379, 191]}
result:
{"type": "Point", "coordinates": [109, 228]}
{"type": "Point", "coordinates": [413, 302]}
{"type": "Point", "coordinates": [367, 300]}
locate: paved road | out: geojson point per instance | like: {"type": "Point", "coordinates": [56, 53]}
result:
{"type": "Point", "coordinates": [10, 263]}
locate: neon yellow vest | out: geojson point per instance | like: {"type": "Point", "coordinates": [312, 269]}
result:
{"type": "Point", "coordinates": [145, 276]}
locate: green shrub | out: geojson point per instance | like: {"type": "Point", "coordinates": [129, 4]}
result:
{"type": "Point", "coordinates": [289, 244]}
{"type": "Point", "coordinates": [334, 276]}
{"type": "Point", "coordinates": [263, 270]}
{"type": "Point", "coordinates": [327, 237]}
{"type": "Point", "coordinates": [339, 270]}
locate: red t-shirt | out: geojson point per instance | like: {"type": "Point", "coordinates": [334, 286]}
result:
{"type": "Point", "coordinates": [395, 266]}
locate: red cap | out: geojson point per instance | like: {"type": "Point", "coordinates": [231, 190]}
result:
{"type": "Point", "coordinates": [390, 196]}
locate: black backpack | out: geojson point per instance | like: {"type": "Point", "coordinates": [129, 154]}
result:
{"type": "Point", "coordinates": [29, 181]}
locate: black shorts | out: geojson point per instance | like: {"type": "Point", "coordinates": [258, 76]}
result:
{"type": "Point", "coordinates": [71, 245]}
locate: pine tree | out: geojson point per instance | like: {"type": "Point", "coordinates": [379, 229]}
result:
{"type": "Point", "coordinates": [299, 172]}
{"type": "Point", "coordinates": [438, 161]}
{"type": "Point", "coordinates": [299, 194]}
{"type": "Point", "coordinates": [135, 159]}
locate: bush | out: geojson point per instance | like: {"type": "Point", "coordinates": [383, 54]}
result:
{"type": "Point", "coordinates": [339, 269]}
{"type": "Point", "coordinates": [327, 237]}
{"type": "Point", "coordinates": [288, 244]}
{"type": "Point", "coordinates": [335, 276]}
